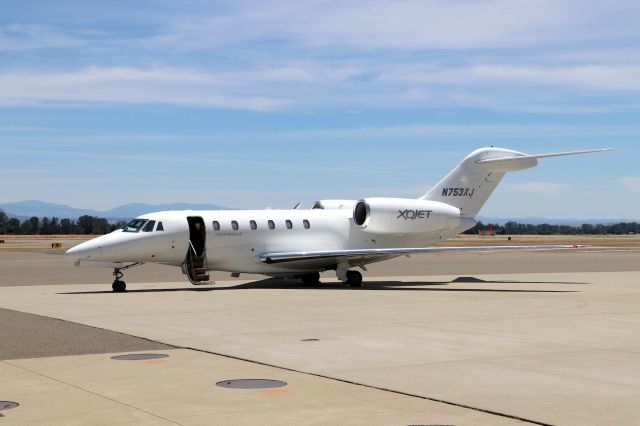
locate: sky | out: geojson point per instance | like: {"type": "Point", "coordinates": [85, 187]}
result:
{"type": "Point", "coordinates": [255, 104]}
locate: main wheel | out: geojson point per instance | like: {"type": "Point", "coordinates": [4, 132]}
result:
{"type": "Point", "coordinates": [311, 279]}
{"type": "Point", "coordinates": [119, 286]}
{"type": "Point", "coordinates": [354, 279]}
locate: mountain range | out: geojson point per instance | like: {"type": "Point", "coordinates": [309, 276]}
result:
{"type": "Point", "coordinates": [26, 209]}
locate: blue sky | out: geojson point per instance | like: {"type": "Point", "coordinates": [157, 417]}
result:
{"type": "Point", "coordinates": [256, 104]}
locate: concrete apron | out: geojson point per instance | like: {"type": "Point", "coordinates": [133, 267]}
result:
{"type": "Point", "coordinates": [554, 348]}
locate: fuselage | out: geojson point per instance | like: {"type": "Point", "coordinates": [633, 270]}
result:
{"type": "Point", "coordinates": [234, 240]}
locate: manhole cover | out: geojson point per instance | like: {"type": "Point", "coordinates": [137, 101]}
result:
{"type": "Point", "coordinates": [251, 384]}
{"type": "Point", "coordinates": [138, 357]}
{"type": "Point", "coordinates": [8, 405]}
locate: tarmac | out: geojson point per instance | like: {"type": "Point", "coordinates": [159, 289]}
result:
{"type": "Point", "coordinates": [485, 338]}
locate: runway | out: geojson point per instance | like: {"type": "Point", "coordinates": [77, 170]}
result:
{"type": "Point", "coordinates": [427, 341]}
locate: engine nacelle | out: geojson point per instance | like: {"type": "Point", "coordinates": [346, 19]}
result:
{"type": "Point", "coordinates": [404, 216]}
{"type": "Point", "coordinates": [334, 204]}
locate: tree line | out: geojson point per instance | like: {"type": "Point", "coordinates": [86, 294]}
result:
{"type": "Point", "coordinates": [93, 225]}
{"type": "Point", "coordinates": [86, 224]}
{"type": "Point", "coordinates": [515, 228]}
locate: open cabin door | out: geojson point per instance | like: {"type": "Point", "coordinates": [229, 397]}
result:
{"type": "Point", "coordinates": [197, 235]}
{"type": "Point", "coordinates": [195, 264]}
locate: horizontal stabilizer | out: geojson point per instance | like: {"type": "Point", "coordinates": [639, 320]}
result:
{"type": "Point", "coordinates": [520, 162]}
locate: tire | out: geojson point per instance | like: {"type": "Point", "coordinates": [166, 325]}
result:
{"type": "Point", "coordinates": [119, 286]}
{"type": "Point", "coordinates": [354, 279]}
{"type": "Point", "coordinates": [311, 279]}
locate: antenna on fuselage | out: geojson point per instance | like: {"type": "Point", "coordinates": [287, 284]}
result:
{"type": "Point", "coordinates": [297, 205]}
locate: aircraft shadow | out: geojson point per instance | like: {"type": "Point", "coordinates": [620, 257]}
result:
{"type": "Point", "coordinates": [274, 283]}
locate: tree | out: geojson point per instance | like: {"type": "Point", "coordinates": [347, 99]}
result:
{"type": "Point", "coordinates": [67, 226]}
{"type": "Point", "coordinates": [13, 226]}
{"type": "Point", "coordinates": [85, 223]}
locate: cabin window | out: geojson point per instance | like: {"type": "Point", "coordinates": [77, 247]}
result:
{"type": "Point", "coordinates": [149, 226]}
{"type": "Point", "coordinates": [234, 225]}
{"type": "Point", "coordinates": [289, 224]}
{"type": "Point", "coordinates": [216, 225]}
{"type": "Point", "coordinates": [271, 225]}
{"type": "Point", "coordinates": [160, 227]}
{"type": "Point", "coordinates": [306, 224]}
{"type": "Point", "coordinates": [253, 225]}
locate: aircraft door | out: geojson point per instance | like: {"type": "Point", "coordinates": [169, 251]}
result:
{"type": "Point", "coordinates": [197, 234]}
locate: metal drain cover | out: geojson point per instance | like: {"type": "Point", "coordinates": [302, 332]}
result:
{"type": "Point", "coordinates": [138, 357]}
{"type": "Point", "coordinates": [251, 384]}
{"type": "Point", "coordinates": [8, 405]}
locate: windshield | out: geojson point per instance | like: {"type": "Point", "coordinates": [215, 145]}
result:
{"type": "Point", "coordinates": [134, 225]}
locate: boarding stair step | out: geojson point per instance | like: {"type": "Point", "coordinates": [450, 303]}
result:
{"type": "Point", "coordinates": [199, 271]}
{"type": "Point", "coordinates": [202, 278]}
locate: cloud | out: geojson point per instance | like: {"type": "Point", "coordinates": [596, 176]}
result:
{"type": "Point", "coordinates": [631, 182]}
{"type": "Point", "coordinates": [595, 77]}
{"type": "Point", "coordinates": [548, 188]}
{"type": "Point", "coordinates": [130, 86]}
{"type": "Point", "coordinates": [274, 56]}
{"type": "Point", "coordinates": [410, 24]}
{"type": "Point", "coordinates": [15, 37]}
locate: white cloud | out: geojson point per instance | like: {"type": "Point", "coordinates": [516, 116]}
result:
{"type": "Point", "coordinates": [132, 86]}
{"type": "Point", "coordinates": [14, 37]}
{"type": "Point", "coordinates": [536, 187]}
{"type": "Point", "coordinates": [631, 182]}
{"type": "Point", "coordinates": [594, 77]}
{"type": "Point", "coordinates": [410, 24]}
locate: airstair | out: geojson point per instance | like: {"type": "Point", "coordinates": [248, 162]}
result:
{"type": "Point", "coordinates": [195, 266]}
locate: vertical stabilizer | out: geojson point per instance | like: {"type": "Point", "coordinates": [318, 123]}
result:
{"type": "Point", "coordinates": [472, 182]}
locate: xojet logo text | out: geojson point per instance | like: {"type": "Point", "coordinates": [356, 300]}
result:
{"type": "Point", "coordinates": [414, 214]}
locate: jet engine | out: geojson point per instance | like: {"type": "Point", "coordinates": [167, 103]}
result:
{"type": "Point", "coordinates": [404, 216]}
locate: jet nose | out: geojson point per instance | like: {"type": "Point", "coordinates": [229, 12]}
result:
{"type": "Point", "coordinates": [84, 250]}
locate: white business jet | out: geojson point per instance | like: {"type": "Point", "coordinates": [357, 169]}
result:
{"type": "Point", "coordinates": [335, 235]}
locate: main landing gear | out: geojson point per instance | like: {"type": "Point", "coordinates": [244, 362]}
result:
{"type": "Point", "coordinates": [351, 278]}
{"type": "Point", "coordinates": [118, 285]}
{"type": "Point", "coordinates": [311, 279]}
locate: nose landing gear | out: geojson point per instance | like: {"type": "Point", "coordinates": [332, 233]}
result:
{"type": "Point", "coordinates": [354, 279]}
{"type": "Point", "coordinates": [118, 285]}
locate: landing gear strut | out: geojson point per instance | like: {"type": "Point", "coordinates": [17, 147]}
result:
{"type": "Point", "coordinates": [118, 285]}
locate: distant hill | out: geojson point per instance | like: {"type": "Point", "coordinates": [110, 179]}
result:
{"type": "Point", "coordinates": [24, 209]}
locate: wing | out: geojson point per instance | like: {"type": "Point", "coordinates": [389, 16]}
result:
{"type": "Point", "coordinates": [379, 254]}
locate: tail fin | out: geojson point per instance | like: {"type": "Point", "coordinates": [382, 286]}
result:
{"type": "Point", "coordinates": [469, 185]}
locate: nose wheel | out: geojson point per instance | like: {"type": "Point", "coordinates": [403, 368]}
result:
{"type": "Point", "coordinates": [118, 285]}
{"type": "Point", "coordinates": [354, 279]}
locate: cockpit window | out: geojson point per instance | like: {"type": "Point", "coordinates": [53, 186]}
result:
{"type": "Point", "coordinates": [134, 225]}
{"type": "Point", "coordinates": [160, 227]}
{"type": "Point", "coordinates": [149, 226]}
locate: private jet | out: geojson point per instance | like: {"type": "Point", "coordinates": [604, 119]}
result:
{"type": "Point", "coordinates": [337, 235]}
